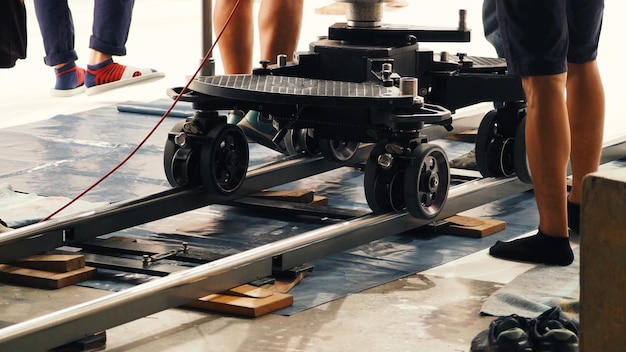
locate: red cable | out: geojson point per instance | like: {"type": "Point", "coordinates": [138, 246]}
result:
{"type": "Point", "coordinates": [134, 151]}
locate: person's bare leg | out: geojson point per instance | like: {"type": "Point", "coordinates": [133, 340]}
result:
{"type": "Point", "coordinates": [237, 42]}
{"type": "Point", "coordinates": [279, 28]}
{"type": "Point", "coordinates": [548, 148]}
{"type": "Point", "coordinates": [96, 57]}
{"type": "Point", "coordinates": [585, 103]}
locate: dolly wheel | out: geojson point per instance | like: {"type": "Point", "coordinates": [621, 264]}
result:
{"type": "Point", "coordinates": [224, 159]}
{"type": "Point", "coordinates": [426, 182]}
{"type": "Point", "coordinates": [341, 151]}
{"type": "Point", "coordinates": [181, 164]}
{"type": "Point", "coordinates": [301, 140]}
{"type": "Point", "coordinates": [495, 143]}
{"type": "Point", "coordinates": [486, 145]}
{"type": "Point", "coordinates": [520, 158]}
{"type": "Point", "coordinates": [383, 185]}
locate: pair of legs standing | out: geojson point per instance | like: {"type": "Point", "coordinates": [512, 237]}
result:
{"type": "Point", "coordinates": [553, 47]}
{"type": "Point", "coordinates": [111, 25]}
{"type": "Point", "coordinates": [279, 23]}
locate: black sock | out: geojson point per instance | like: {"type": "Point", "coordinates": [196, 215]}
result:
{"type": "Point", "coordinates": [539, 248]}
{"type": "Point", "coordinates": [573, 216]}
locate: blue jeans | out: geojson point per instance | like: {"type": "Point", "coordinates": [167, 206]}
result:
{"type": "Point", "coordinates": [111, 23]}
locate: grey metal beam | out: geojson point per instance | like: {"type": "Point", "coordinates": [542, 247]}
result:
{"type": "Point", "coordinates": [76, 228]}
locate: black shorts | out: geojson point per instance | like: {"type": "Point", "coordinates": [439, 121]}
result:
{"type": "Point", "coordinates": [540, 37]}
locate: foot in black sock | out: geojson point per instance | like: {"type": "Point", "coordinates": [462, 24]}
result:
{"type": "Point", "coordinates": [573, 216]}
{"type": "Point", "coordinates": [539, 248]}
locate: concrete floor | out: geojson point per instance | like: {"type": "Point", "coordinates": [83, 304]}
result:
{"type": "Point", "coordinates": [436, 310]}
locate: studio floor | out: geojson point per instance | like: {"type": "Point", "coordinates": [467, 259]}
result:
{"type": "Point", "coordinates": [433, 310]}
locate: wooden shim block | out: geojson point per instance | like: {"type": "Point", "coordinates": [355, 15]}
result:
{"type": "Point", "coordinates": [297, 196]}
{"type": "Point", "coordinates": [43, 279]}
{"type": "Point", "coordinates": [243, 306]}
{"type": "Point", "coordinates": [470, 226]}
{"type": "Point", "coordinates": [58, 263]}
{"type": "Point", "coordinates": [249, 291]}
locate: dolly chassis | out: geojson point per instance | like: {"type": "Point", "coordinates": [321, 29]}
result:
{"type": "Point", "coordinates": [366, 82]}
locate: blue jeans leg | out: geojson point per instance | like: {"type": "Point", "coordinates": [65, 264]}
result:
{"type": "Point", "coordinates": [111, 24]}
{"type": "Point", "coordinates": [57, 30]}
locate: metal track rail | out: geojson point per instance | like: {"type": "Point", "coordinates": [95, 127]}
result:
{"type": "Point", "coordinates": [45, 236]}
{"type": "Point", "coordinates": [81, 227]}
{"type": "Point", "coordinates": [73, 323]}
{"type": "Point", "coordinates": [82, 320]}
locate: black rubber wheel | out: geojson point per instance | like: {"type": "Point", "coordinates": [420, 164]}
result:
{"type": "Point", "coordinates": [495, 150]}
{"type": "Point", "coordinates": [181, 165]}
{"type": "Point", "coordinates": [483, 139]}
{"type": "Point", "coordinates": [383, 186]}
{"type": "Point", "coordinates": [341, 151]}
{"type": "Point", "coordinates": [224, 159]}
{"type": "Point", "coordinates": [520, 158]}
{"type": "Point", "coordinates": [426, 182]}
{"type": "Point", "coordinates": [301, 140]}
{"type": "Point", "coordinates": [506, 155]}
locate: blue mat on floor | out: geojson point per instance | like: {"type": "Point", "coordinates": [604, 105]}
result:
{"type": "Point", "coordinates": [62, 156]}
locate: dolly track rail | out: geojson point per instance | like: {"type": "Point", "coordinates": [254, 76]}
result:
{"type": "Point", "coordinates": [76, 228]}
{"type": "Point", "coordinates": [85, 226]}
{"type": "Point", "coordinates": [75, 322]}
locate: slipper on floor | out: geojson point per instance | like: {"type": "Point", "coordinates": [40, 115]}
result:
{"type": "Point", "coordinates": [131, 75]}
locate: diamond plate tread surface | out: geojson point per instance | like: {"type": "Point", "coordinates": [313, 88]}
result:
{"type": "Point", "coordinates": [289, 90]}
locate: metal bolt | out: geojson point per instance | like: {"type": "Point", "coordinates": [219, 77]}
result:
{"type": "Point", "coordinates": [281, 60]}
{"type": "Point", "coordinates": [385, 160]}
{"type": "Point", "coordinates": [408, 86]}
{"type": "Point", "coordinates": [462, 20]}
{"type": "Point", "coordinates": [180, 139]}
